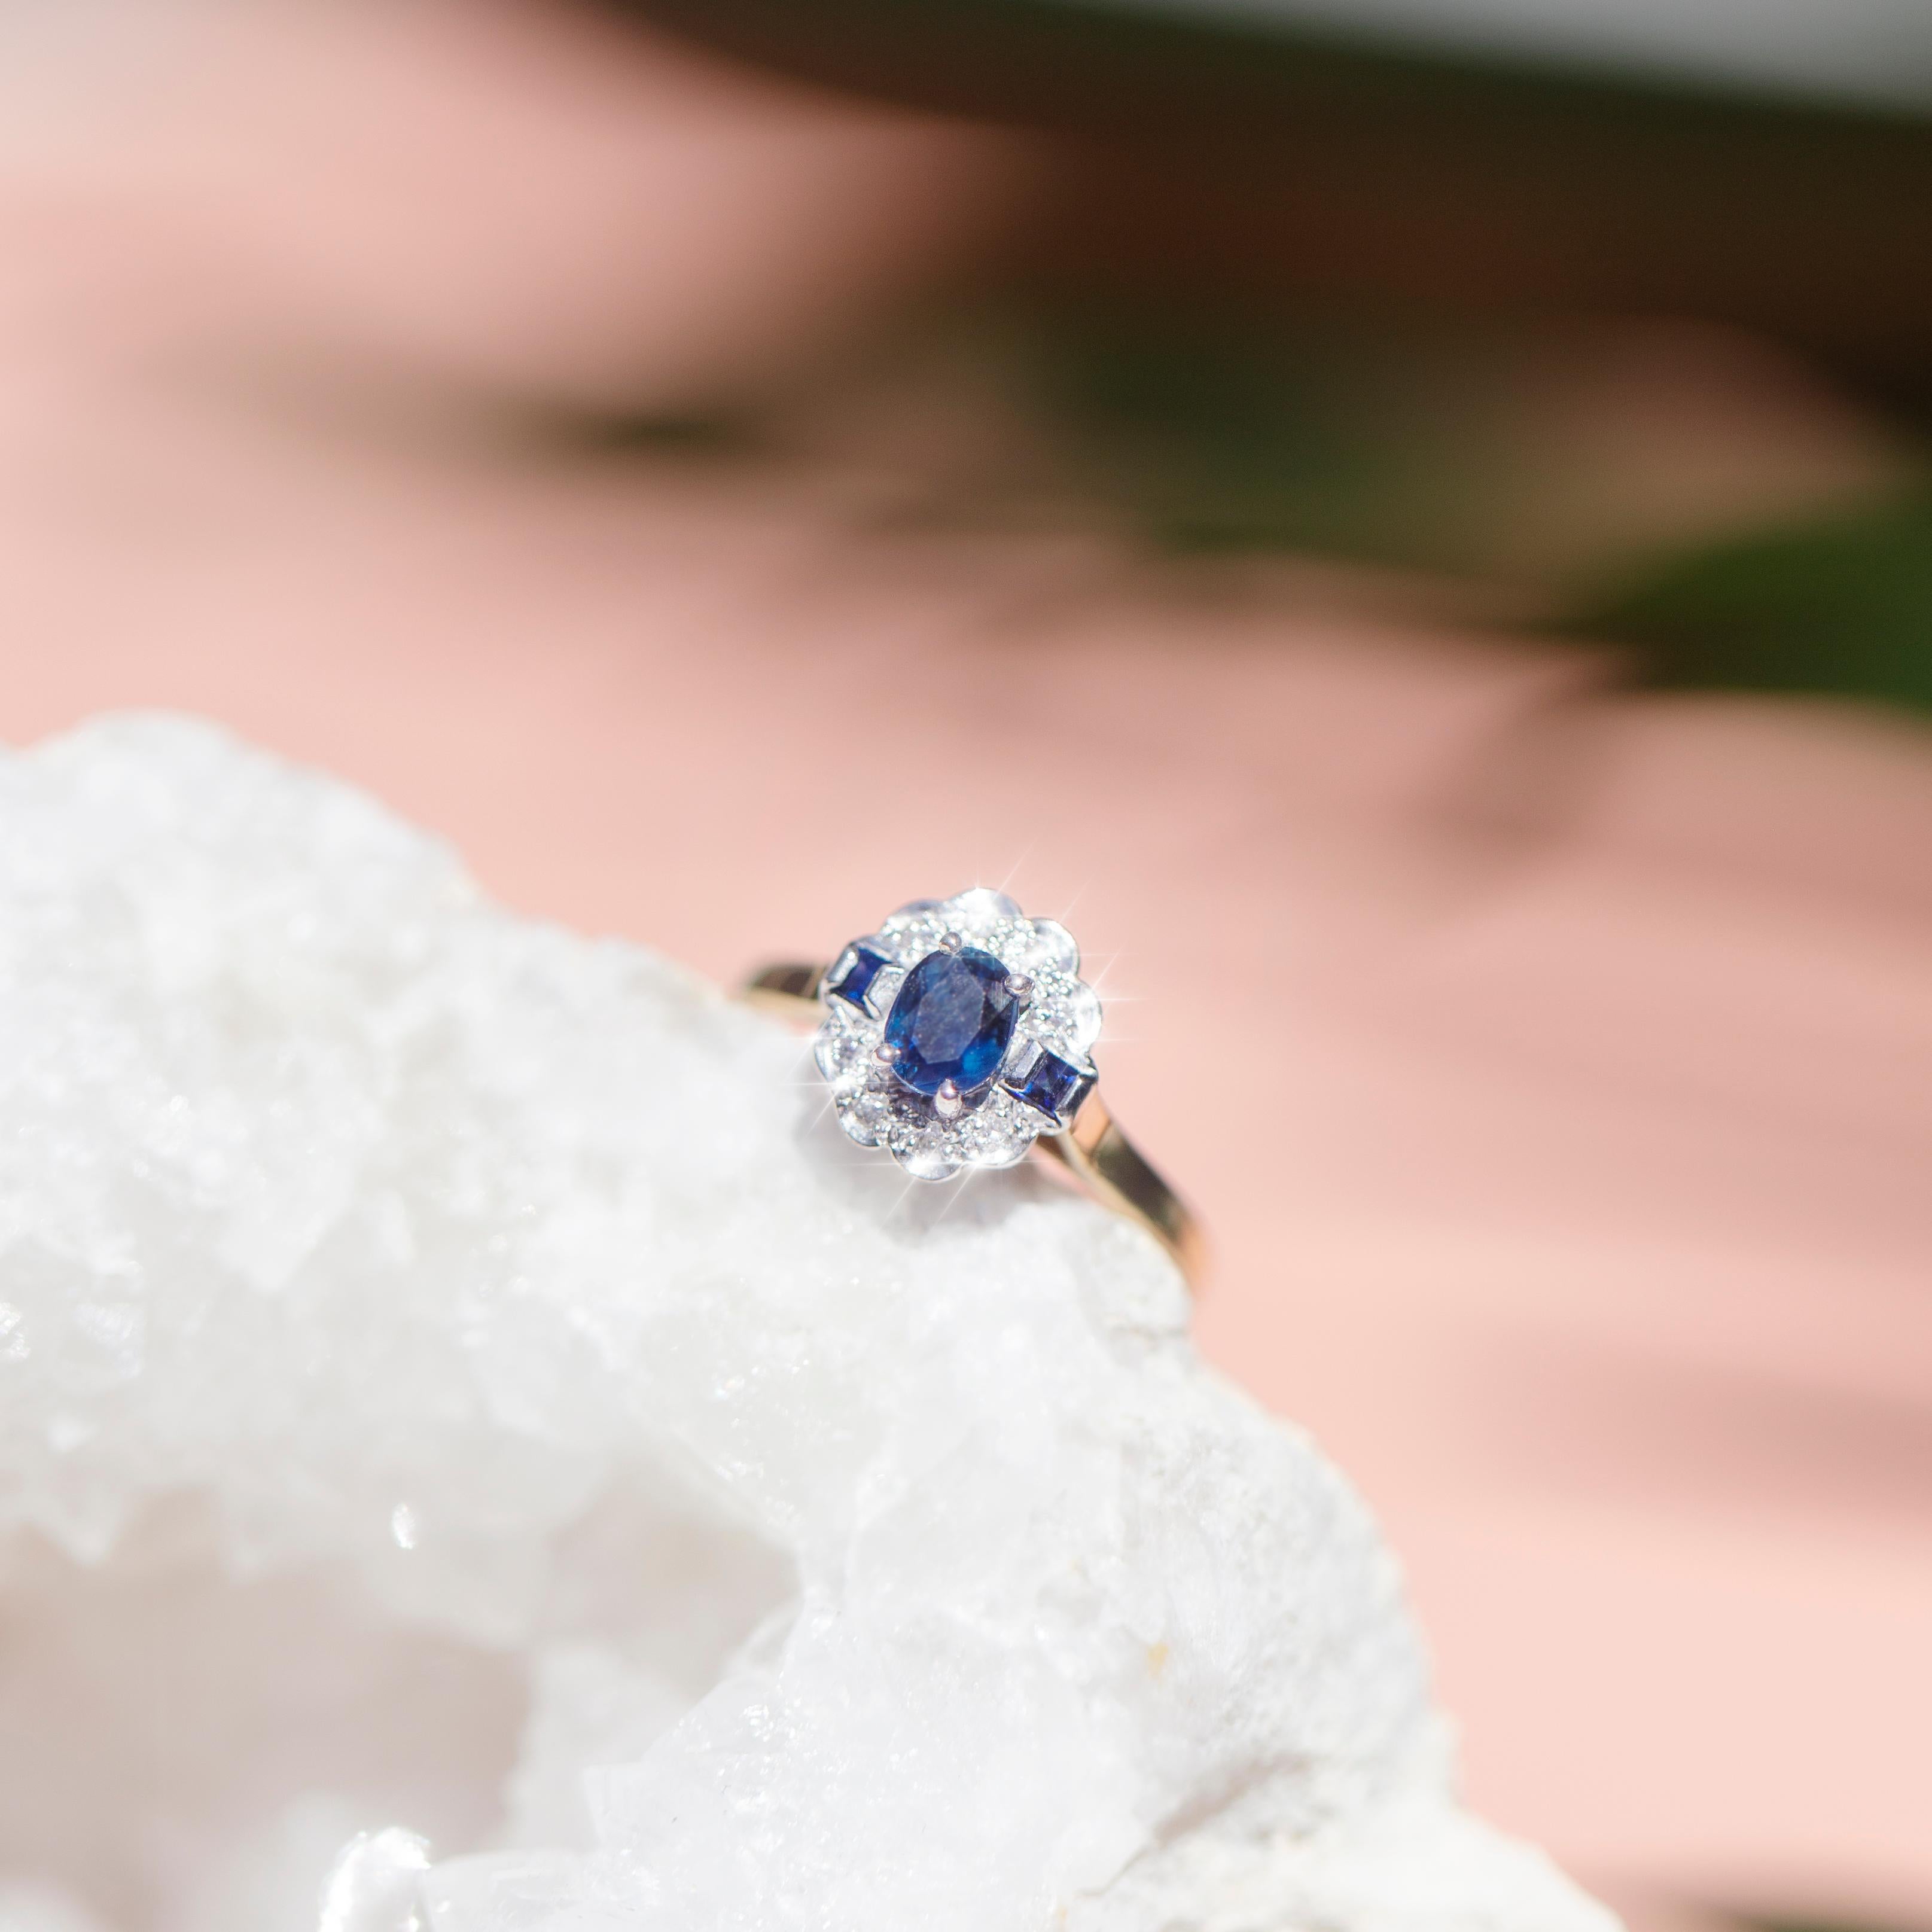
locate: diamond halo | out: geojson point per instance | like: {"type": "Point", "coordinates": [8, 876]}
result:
{"type": "Point", "coordinates": [1042, 1078]}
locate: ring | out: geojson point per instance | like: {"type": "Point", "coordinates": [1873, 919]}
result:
{"type": "Point", "coordinates": [960, 1034]}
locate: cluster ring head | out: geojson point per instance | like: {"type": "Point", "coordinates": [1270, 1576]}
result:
{"type": "Point", "coordinates": [958, 1034]}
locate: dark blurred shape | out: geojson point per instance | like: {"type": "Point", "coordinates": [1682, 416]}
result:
{"type": "Point", "coordinates": [1695, 494]}
{"type": "Point", "coordinates": [1817, 1925]}
{"type": "Point", "coordinates": [1219, 434]}
{"type": "Point", "coordinates": [1843, 605]}
{"type": "Point", "coordinates": [1222, 154]}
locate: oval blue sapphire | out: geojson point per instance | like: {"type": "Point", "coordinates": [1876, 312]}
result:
{"type": "Point", "coordinates": [953, 1020]}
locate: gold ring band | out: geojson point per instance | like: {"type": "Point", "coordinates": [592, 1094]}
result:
{"type": "Point", "coordinates": [1093, 1149]}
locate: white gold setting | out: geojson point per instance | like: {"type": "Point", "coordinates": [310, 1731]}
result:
{"type": "Point", "coordinates": [1055, 1013]}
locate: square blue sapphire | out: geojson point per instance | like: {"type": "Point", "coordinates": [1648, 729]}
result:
{"type": "Point", "coordinates": [856, 981]}
{"type": "Point", "coordinates": [1055, 1086]}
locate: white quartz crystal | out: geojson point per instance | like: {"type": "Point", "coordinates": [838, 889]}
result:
{"type": "Point", "coordinates": [480, 1451]}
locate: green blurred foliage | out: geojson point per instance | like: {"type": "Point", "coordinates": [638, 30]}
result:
{"type": "Point", "coordinates": [1842, 606]}
{"type": "Point", "coordinates": [1405, 445]}
{"type": "Point", "coordinates": [1231, 438]}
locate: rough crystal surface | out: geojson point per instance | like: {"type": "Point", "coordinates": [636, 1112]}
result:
{"type": "Point", "coordinates": [564, 1489]}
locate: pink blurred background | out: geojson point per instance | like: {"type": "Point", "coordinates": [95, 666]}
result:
{"type": "Point", "coordinates": [1575, 1190]}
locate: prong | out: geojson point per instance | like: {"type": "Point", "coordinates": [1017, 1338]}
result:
{"type": "Point", "coordinates": [885, 1053]}
{"type": "Point", "coordinates": [947, 1102]}
{"type": "Point", "coordinates": [1019, 985]}
{"type": "Point", "coordinates": [951, 942]}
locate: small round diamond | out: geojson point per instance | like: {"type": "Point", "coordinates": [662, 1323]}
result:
{"type": "Point", "coordinates": [1055, 945]}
